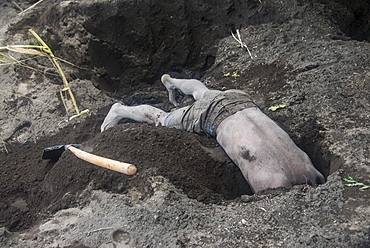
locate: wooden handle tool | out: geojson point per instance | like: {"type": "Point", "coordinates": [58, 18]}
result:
{"type": "Point", "coordinates": [56, 151]}
{"type": "Point", "coordinates": [111, 164]}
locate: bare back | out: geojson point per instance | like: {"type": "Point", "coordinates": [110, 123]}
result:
{"type": "Point", "coordinates": [265, 154]}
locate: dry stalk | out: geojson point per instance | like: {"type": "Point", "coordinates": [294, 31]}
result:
{"type": "Point", "coordinates": [53, 59]}
{"type": "Point", "coordinates": [16, 5]}
{"type": "Point", "coordinates": [44, 50]}
{"type": "Point", "coordinates": [31, 7]}
{"type": "Point", "coordinates": [239, 40]}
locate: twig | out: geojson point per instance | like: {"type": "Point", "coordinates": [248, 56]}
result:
{"type": "Point", "coordinates": [260, 6]}
{"type": "Point", "coordinates": [67, 62]}
{"type": "Point", "coordinates": [64, 102]}
{"type": "Point", "coordinates": [239, 40]}
{"type": "Point", "coordinates": [17, 6]}
{"type": "Point", "coordinates": [20, 62]}
{"type": "Point", "coordinates": [31, 7]}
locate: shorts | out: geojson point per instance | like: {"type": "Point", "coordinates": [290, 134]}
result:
{"type": "Point", "coordinates": [204, 116]}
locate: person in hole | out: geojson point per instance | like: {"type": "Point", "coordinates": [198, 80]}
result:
{"type": "Point", "coordinates": [265, 154]}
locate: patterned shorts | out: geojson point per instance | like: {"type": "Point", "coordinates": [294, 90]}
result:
{"type": "Point", "coordinates": [204, 115]}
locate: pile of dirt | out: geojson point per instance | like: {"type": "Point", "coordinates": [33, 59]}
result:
{"type": "Point", "coordinates": [195, 164]}
{"type": "Point", "coordinates": [311, 56]}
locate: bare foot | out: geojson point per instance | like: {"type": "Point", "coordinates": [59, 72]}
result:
{"type": "Point", "coordinates": [166, 80]}
{"type": "Point", "coordinates": [112, 118]}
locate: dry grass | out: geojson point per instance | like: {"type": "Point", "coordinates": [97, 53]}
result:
{"type": "Point", "coordinates": [42, 50]}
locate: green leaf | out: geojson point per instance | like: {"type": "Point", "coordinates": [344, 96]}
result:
{"type": "Point", "coordinates": [235, 74]}
{"type": "Point", "coordinates": [353, 183]}
{"type": "Point", "coordinates": [274, 108]}
{"type": "Point", "coordinates": [365, 187]}
{"type": "Point", "coordinates": [349, 179]}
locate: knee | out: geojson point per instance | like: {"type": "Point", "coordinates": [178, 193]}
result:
{"type": "Point", "coordinates": [198, 95]}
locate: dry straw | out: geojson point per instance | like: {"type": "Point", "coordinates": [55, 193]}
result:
{"type": "Point", "coordinates": [41, 50]}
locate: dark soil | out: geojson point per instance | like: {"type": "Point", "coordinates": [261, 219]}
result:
{"type": "Point", "coordinates": [185, 159]}
{"type": "Point", "coordinates": [313, 56]}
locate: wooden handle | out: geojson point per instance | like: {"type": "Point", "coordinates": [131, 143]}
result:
{"type": "Point", "coordinates": [111, 164]}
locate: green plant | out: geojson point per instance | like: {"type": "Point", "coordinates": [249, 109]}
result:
{"type": "Point", "coordinates": [234, 75]}
{"type": "Point", "coordinates": [353, 183]}
{"type": "Point", "coordinates": [274, 108]}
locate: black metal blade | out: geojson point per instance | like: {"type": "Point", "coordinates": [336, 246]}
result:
{"type": "Point", "coordinates": [55, 152]}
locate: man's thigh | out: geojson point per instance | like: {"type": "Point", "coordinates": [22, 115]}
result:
{"type": "Point", "coordinates": [175, 118]}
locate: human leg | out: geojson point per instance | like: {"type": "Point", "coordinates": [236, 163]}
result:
{"type": "Point", "coordinates": [175, 119]}
{"type": "Point", "coordinates": [191, 87]}
{"type": "Point", "coordinates": [141, 113]}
